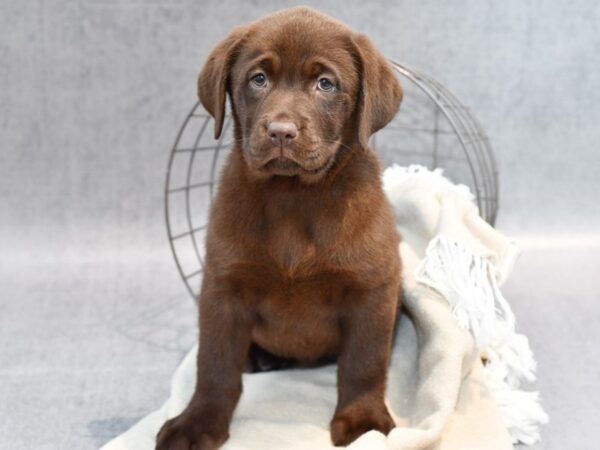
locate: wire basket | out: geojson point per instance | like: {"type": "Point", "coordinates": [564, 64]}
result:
{"type": "Point", "coordinates": [433, 129]}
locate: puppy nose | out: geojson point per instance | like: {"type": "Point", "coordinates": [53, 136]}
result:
{"type": "Point", "coordinates": [282, 133]}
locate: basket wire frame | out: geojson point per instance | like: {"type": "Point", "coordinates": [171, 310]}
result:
{"type": "Point", "coordinates": [474, 165]}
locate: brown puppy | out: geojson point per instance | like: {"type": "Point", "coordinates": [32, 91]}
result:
{"type": "Point", "coordinates": [302, 251]}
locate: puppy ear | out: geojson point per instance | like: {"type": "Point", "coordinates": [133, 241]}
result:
{"type": "Point", "coordinates": [380, 92]}
{"type": "Point", "coordinates": [213, 82]}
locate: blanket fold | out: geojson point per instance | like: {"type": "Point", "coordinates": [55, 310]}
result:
{"type": "Point", "coordinates": [457, 364]}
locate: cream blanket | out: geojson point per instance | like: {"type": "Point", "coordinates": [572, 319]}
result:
{"type": "Point", "coordinates": [439, 391]}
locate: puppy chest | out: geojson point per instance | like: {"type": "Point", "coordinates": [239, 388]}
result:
{"type": "Point", "coordinates": [291, 248]}
{"type": "Point", "coordinates": [296, 232]}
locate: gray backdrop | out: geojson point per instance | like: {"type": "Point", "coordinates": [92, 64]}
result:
{"type": "Point", "coordinates": [93, 318]}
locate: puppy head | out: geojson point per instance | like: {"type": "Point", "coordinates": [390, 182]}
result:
{"type": "Point", "coordinates": [302, 86]}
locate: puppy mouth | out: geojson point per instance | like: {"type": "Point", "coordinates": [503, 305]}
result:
{"type": "Point", "coordinates": [286, 167]}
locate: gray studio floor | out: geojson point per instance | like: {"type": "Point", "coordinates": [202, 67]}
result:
{"type": "Point", "coordinates": [89, 344]}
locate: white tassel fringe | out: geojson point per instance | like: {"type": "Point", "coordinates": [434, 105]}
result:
{"type": "Point", "coordinates": [468, 283]}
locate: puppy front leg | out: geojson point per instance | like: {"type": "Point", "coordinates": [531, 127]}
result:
{"type": "Point", "coordinates": [225, 334]}
{"type": "Point", "coordinates": [363, 365]}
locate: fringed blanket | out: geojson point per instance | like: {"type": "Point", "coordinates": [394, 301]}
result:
{"type": "Point", "coordinates": [457, 365]}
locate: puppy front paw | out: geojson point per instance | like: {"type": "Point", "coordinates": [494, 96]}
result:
{"type": "Point", "coordinates": [357, 418]}
{"type": "Point", "coordinates": [192, 431]}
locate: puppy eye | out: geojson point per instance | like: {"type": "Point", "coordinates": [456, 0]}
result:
{"type": "Point", "coordinates": [259, 80]}
{"type": "Point", "coordinates": [325, 84]}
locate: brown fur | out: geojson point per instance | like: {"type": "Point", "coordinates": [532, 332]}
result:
{"type": "Point", "coordinates": [302, 256]}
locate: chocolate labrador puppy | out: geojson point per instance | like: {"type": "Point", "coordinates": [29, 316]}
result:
{"type": "Point", "coordinates": [302, 250]}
